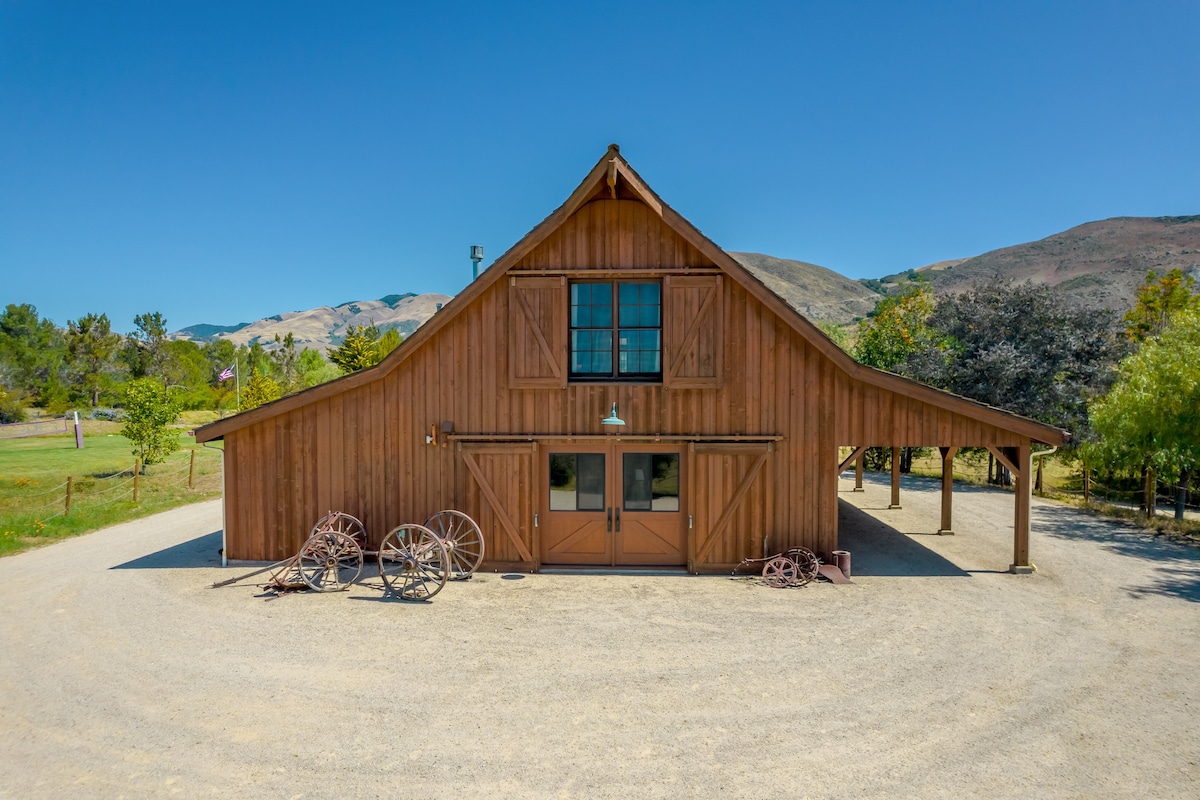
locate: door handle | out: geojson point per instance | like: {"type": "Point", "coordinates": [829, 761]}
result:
{"type": "Point", "coordinates": [618, 520]}
{"type": "Point", "coordinates": [609, 526]}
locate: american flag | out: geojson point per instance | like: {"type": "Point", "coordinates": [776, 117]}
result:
{"type": "Point", "coordinates": [225, 375]}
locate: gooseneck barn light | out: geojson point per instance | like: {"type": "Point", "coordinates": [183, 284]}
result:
{"type": "Point", "coordinates": [613, 419]}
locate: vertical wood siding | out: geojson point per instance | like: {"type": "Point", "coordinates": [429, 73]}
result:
{"type": "Point", "coordinates": [364, 452]}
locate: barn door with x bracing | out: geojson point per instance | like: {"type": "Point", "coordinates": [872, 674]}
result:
{"type": "Point", "coordinates": [496, 488]}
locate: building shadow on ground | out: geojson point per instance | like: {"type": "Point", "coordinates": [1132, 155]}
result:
{"type": "Point", "coordinates": [1177, 571]}
{"type": "Point", "coordinates": [880, 550]}
{"type": "Point", "coordinates": [203, 551]}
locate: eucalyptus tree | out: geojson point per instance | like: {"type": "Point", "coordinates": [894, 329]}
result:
{"type": "Point", "coordinates": [91, 353]}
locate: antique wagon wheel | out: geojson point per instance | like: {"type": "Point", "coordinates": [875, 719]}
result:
{"type": "Point", "coordinates": [779, 572]}
{"type": "Point", "coordinates": [807, 563]}
{"type": "Point", "coordinates": [413, 562]}
{"type": "Point", "coordinates": [463, 540]}
{"type": "Point", "coordinates": [330, 561]}
{"type": "Point", "coordinates": [341, 522]}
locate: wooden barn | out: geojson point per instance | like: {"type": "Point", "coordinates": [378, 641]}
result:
{"type": "Point", "coordinates": [738, 413]}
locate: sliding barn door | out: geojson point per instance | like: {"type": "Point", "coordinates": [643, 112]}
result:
{"type": "Point", "coordinates": [497, 489]}
{"type": "Point", "coordinates": [729, 501]}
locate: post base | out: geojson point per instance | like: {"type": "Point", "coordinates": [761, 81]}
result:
{"type": "Point", "coordinates": [858, 489]}
{"type": "Point", "coordinates": [1020, 569]}
{"type": "Point", "coordinates": [945, 532]}
{"type": "Point", "coordinates": [890, 507]}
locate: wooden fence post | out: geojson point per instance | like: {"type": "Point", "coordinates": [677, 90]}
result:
{"type": "Point", "coordinates": [1087, 486]}
{"type": "Point", "coordinates": [137, 470]}
{"type": "Point", "coordinates": [67, 510]}
{"type": "Point", "coordinates": [1038, 486]}
{"type": "Point", "coordinates": [192, 470]}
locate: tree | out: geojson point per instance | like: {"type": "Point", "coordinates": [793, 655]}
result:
{"type": "Point", "coordinates": [313, 369]}
{"type": "Point", "coordinates": [146, 352]}
{"type": "Point", "coordinates": [1151, 418]}
{"type": "Point", "coordinates": [148, 412]}
{"type": "Point", "coordinates": [31, 352]}
{"type": "Point", "coordinates": [191, 372]}
{"type": "Point", "coordinates": [359, 350]}
{"type": "Point", "coordinates": [1021, 348]}
{"type": "Point", "coordinates": [285, 358]}
{"type": "Point", "coordinates": [10, 409]}
{"type": "Point", "coordinates": [1158, 298]}
{"type": "Point", "coordinates": [896, 328]}
{"type": "Point", "coordinates": [91, 348]}
{"type": "Point", "coordinates": [390, 340]}
{"type": "Point", "coordinates": [258, 391]}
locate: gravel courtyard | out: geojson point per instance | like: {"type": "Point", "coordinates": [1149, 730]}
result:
{"type": "Point", "coordinates": [935, 674]}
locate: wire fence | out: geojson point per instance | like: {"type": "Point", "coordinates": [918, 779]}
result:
{"type": "Point", "coordinates": [78, 499]}
{"type": "Point", "coordinates": [1113, 491]}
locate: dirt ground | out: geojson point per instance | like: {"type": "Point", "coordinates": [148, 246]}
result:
{"type": "Point", "coordinates": [935, 674]}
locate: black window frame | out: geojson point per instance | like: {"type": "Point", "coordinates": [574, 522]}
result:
{"type": "Point", "coordinates": [614, 328]}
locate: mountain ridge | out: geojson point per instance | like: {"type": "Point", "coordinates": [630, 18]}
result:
{"type": "Point", "coordinates": [1099, 264]}
{"type": "Point", "coordinates": [324, 327]}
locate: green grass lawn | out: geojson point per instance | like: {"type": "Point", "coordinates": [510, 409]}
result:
{"type": "Point", "coordinates": [34, 472]}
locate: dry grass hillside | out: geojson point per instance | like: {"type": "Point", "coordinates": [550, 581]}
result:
{"type": "Point", "coordinates": [324, 327]}
{"type": "Point", "coordinates": [1101, 264]}
{"type": "Point", "coordinates": [818, 293]}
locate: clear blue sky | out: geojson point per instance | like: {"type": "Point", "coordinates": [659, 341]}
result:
{"type": "Point", "coordinates": [221, 162]}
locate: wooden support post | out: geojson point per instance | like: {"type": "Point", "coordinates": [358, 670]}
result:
{"type": "Point", "coordinates": [1151, 493]}
{"type": "Point", "coordinates": [947, 489]}
{"type": "Point", "coordinates": [895, 478]}
{"type": "Point", "coordinates": [137, 470]}
{"type": "Point", "coordinates": [1087, 486]}
{"type": "Point", "coordinates": [192, 470]}
{"type": "Point", "coordinates": [67, 510]}
{"type": "Point", "coordinates": [858, 470]}
{"type": "Point", "coordinates": [1022, 484]}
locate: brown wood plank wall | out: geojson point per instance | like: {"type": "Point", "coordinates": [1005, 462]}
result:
{"type": "Point", "coordinates": [364, 451]}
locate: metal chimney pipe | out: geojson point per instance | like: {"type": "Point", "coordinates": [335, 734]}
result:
{"type": "Point", "coordinates": [476, 257]}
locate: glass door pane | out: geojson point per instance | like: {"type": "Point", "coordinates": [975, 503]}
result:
{"type": "Point", "coordinates": [577, 482]}
{"type": "Point", "coordinates": [650, 481]}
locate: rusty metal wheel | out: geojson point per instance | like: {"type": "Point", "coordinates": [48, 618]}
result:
{"type": "Point", "coordinates": [341, 522]}
{"type": "Point", "coordinates": [330, 561]}
{"type": "Point", "coordinates": [413, 562]}
{"type": "Point", "coordinates": [463, 540]}
{"type": "Point", "coordinates": [779, 572]}
{"type": "Point", "coordinates": [807, 563]}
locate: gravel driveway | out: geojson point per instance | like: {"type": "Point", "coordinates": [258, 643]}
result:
{"type": "Point", "coordinates": [935, 674]}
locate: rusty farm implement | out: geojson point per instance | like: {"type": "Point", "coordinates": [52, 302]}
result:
{"type": "Point", "coordinates": [414, 561]}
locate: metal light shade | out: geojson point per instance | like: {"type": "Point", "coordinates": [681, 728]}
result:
{"type": "Point", "coordinates": [613, 419]}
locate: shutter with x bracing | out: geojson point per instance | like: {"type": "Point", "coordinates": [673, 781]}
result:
{"type": "Point", "coordinates": [692, 331]}
{"type": "Point", "coordinates": [537, 343]}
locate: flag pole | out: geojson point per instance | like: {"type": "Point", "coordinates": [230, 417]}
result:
{"type": "Point", "coordinates": [237, 381]}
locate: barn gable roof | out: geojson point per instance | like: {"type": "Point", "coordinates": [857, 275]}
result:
{"type": "Point", "coordinates": [613, 176]}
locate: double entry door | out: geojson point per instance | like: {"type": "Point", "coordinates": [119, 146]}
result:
{"type": "Point", "coordinates": [613, 505]}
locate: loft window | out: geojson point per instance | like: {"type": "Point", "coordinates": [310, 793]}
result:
{"type": "Point", "coordinates": [616, 331]}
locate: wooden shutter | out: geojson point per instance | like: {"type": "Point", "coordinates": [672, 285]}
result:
{"type": "Point", "coordinates": [537, 339]}
{"type": "Point", "coordinates": [692, 331]}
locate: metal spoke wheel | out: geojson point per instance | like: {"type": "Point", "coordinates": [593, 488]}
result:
{"type": "Point", "coordinates": [779, 572]}
{"type": "Point", "coordinates": [413, 562]}
{"type": "Point", "coordinates": [330, 561]}
{"type": "Point", "coordinates": [463, 540]}
{"type": "Point", "coordinates": [341, 522]}
{"type": "Point", "coordinates": [806, 562]}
